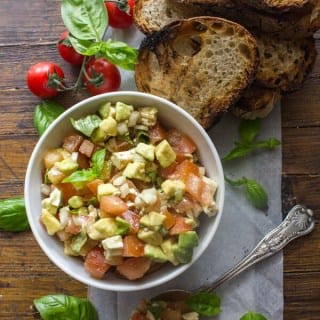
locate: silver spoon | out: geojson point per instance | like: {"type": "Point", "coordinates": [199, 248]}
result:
{"type": "Point", "coordinates": [297, 223]}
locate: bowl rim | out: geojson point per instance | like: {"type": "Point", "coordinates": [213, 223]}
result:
{"type": "Point", "coordinates": [100, 283]}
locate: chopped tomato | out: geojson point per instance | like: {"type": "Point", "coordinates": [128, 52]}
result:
{"type": "Point", "coordinates": [132, 246]}
{"type": "Point", "coordinates": [122, 145]}
{"type": "Point", "coordinates": [180, 142]}
{"type": "Point", "coordinates": [68, 191]}
{"type": "Point", "coordinates": [93, 185]}
{"type": "Point", "coordinates": [134, 268]}
{"type": "Point", "coordinates": [184, 169]}
{"type": "Point", "coordinates": [95, 263]}
{"type": "Point", "coordinates": [134, 220]}
{"type": "Point", "coordinates": [157, 133]}
{"type": "Point", "coordinates": [180, 226]}
{"type": "Point", "coordinates": [170, 219]}
{"type": "Point", "coordinates": [185, 205]}
{"type": "Point", "coordinates": [72, 142]}
{"type": "Point", "coordinates": [83, 161]}
{"type": "Point", "coordinates": [86, 148]}
{"type": "Point", "coordinates": [113, 205]}
{"type": "Point", "coordinates": [72, 227]}
{"type": "Point", "coordinates": [199, 190]}
{"type": "Point", "coordinates": [168, 171]}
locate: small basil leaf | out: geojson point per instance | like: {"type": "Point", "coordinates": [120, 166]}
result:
{"type": "Point", "coordinates": [119, 53]}
{"type": "Point", "coordinates": [86, 125]}
{"type": "Point", "coordinates": [13, 215]}
{"type": "Point", "coordinates": [85, 175]}
{"type": "Point", "coordinates": [256, 194]}
{"type": "Point", "coordinates": [98, 161]}
{"type": "Point", "coordinates": [248, 130]}
{"type": "Point", "coordinates": [81, 46]}
{"type": "Point", "coordinates": [250, 315]}
{"type": "Point", "coordinates": [238, 152]}
{"type": "Point", "coordinates": [45, 113]}
{"type": "Point", "coordinates": [63, 307]}
{"type": "Point", "coordinates": [85, 19]}
{"type": "Point", "coordinates": [236, 183]}
{"type": "Point", "coordinates": [206, 304]}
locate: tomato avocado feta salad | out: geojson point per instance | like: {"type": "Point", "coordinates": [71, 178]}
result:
{"type": "Point", "coordinates": [124, 193]}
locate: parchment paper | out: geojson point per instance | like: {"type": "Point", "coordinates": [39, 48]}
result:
{"type": "Point", "coordinates": [242, 226]}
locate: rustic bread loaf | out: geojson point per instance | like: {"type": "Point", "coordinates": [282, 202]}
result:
{"type": "Point", "coordinates": [203, 64]}
{"type": "Point", "coordinates": [256, 102]}
{"type": "Point", "coordinates": [284, 64]}
{"type": "Point", "coordinates": [150, 15]}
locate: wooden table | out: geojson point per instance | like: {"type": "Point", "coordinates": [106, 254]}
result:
{"type": "Point", "coordinates": [28, 34]}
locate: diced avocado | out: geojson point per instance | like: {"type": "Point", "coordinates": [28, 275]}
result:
{"type": "Point", "coordinates": [123, 226]}
{"type": "Point", "coordinates": [135, 170]}
{"type": "Point", "coordinates": [146, 150]}
{"type": "Point", "coordinates": [75, 202]}
{"type": "Point", "coordinates": [46, 204]}
{"type": "Point", "coordinates": [150, 236]}
{"type": "Point", "coordinates": [83, 211]}
{"type": "Point", "coordinates": [154, 253]}
{"type": "Point", "coordinates": [55, 176]}
{"type": "Point", "coordinates": [106, 189]}
{"type": "Point", "coordinates": [104, 110]}
{"type": "Point", "coordinates": [78, 241]}
{"type": "Point", "coordinates": [68, 248]}
{"type": "Point", "coordinates": [148, 116]}
{"type": "Point", "coordinates": [149, 196]}
{"type": "Point", "coordinates": [123, 111]}
{"type": "Point", "coordinates": [51, 223]}
{"type": "Point", "coordinates": [122, 158]}
{"type": "Point", "coordinates": [166, 247]}
{"type": "Point", "coordinates": [191, 316]}
{"type": "Point", "coordinates": [183, 255]}
{"type": "Point", "coordinates": [113, 246]}
{"type": "Point", "coordinates": [55, 197]}
{"type": "Point", "coordinates": [109, 126]}
{"type": "Point", "coordinates": [153, 220]}
{"type": "Point", "coordinates": [103, 228]}
{"type": "Point", "coordinates": [67, 165]}
{"type": "Point", "coordinates": [165, 154]}
{"type": "Point", "coordinates": [98, 135]}
{"type": "Point", "coordinates": [188, 239]}
{"type": "Point", "coordinates": [174, 189]}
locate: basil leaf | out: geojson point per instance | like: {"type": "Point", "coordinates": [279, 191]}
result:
{"type": "Point", "coordinates": [98, 161]}
{"type": "Point", "coordinates": [85, 19]}
{"type": "Point", "coordinates": [13, 215]}
{"type": "Point", "coordinates": [86, 125]}
{"type": "Point", "coordinates": [250, 315]}
{"type": "Point", "coordinates": [270, 144]}
{"type": "Point", "coordinates": [256, 194]}
{"type": "Point", "coordinates": [205, 303]}
{"type": "Point", "coordinates": [238, 152]}
{"type": "Point", "coordinates": [45, 113]}
{"type": "Point", "coordinates": [119, 53]}
{"type": "Point", "coordinates": [236, 183]}
{"type": "Point", "coordinates": [85, 175]}
{"type": "Point", "coordinates": [248, 130]}
{"type": "Point", "coordinates": [63, 307]}
{"type": "Point", "coordinates": [81, 46]}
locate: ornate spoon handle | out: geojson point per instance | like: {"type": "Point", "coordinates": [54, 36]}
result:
{"type": "Point", "coordinates": [298, 222]}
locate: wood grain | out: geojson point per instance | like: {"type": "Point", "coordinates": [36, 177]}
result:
{"type": "Point", "coordinates": [28, 33]}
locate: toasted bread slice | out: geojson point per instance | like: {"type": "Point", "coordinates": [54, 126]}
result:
{"type": "Point", "coordinates": [223, 3]}
{"type": "Point", "coordinates": [284, 64]}
{"type": "Point", "coordinates": [256, 102]}
{"type": "Point", "coordinates": [150, 15]}
{"type": "Point", "coordinates": [276, 6]}
{"type": "Point", "coordinates": [202, 64]}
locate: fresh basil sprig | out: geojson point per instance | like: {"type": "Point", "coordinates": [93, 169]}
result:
{"type": "Point", "coordinates": [204, 303]}
{"type": "Point", "coordinates": [63, 307]}
{"type": "Point", "coordinates": [87, 21]}
{"type": "Point", "coordinates": [248, 131]}
{"type": "Point", "coordinates": [87, 175]}
{"type": "Point", "coordinates": [45, 113]}
{"type": "Point", "coordinates": [251, 315]}
{"type": "Point", "coordinates": [254, 191]}
{"type": "Point", "coordinates": [13, 215]}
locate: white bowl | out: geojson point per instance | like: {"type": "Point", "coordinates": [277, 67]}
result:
{"type": "Point", "coordinates": [172, 116]}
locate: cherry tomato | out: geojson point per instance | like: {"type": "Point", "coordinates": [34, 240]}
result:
{"type": "Point", "coordinates": [105, 76]}
{"type": "Point", "coordinates": [117, 17]}
{"type": "Point", "coordinates": [43, 79]}
{"type": "Point", "coordinates": [67, 52]}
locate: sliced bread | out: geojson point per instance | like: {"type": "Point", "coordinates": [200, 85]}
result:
{"type": "Point", "coordinates": [256, 102]}
{"type": "Point", "coordinates": [202, 64]}
{"type": "Point", "coordinates": [284, 64]}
